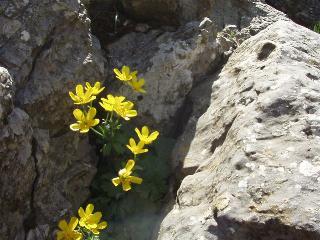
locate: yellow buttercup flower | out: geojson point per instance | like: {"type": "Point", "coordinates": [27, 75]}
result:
{"type": "Point", "coordinates": [125, 178]}
{"type": "Point", "coordinates": [96, 89]}
{"type": "Point", "coordinates": [81, 96]}
{"type": "Point", "coordinates": [144, 135]}
{"type": "Point", "coordinates": [90, 220]}
{"type": "Point", "coordinates": [125, 74]}
{"type": "Point", "coordinates": [112, 103]}
{"type": "Point", "coordinates": [84, 121]}
{"type": "Point", "coordinates": [67, 231]}
{"type": "Point", "coordinates": [136, 148]}
{"type": "Point", "coordinates": [137, 85]}
{"type": "Point", "coordinates": [125, 110]}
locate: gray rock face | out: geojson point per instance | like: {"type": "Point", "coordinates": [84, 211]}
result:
{"type": "Point", "coordinates": [173, 63]}
{"type": "Point", "coordinates": [306, 12]}
{"type": "Point", "coordinates": [231, 12]}
{"type": "Point", "coordinates": [256, 147]}
{"type": "Point", "coordinates": [46, 49]}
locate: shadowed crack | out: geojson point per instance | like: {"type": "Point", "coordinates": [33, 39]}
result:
{"type": "Point", "coordinates": [219, 141]}
{"type": "Point", "coordinates": [30, 221]}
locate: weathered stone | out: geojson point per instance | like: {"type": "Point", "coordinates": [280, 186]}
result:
{"type": "Point", "coordinates": [171, 64]}
{"type": "Point", "coordinates": [47, 48]}
{"type": "Point", "coordinates": [256, 147]}
{"type": "Point", "coordinates": [17, 165]}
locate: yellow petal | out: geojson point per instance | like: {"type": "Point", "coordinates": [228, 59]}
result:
{"type": "Point", "coordinates": [130, 148]}
{"type": "Point", "coordinates": [134, 179]}
{"type": "Point", "coordinates": [116, 181]}
{"type": "Point", "coordinates": [97, 85]}
{"type": "Point", "coordinates": [60, 235]}
{"type": "Point", "coordinates": [73, 223]}
{"type": "Point", "coordinates": [130, 165]}
{"type": "Point", "coordinates": [96, 217]}
{"type": "Point", "coordinates": [88, 85]}
{"type": "Point", "coordinates": [79, 90]}
{"type": "Point", "coordinates": [116, 71]}
{"type": "Point", "coordinates": [84, 130]}
{"type": "Point", "coordinates": [145, 131]}
{"type": "Point", "coordinates": [125, 70]}
{"type": "Point", "coordinates": [132, 142]}
{"type": "Point", "coordinates": [81, 212]}
{"type": "Point", "coordinates": [63, 225]}
{"type": "Point", "coordinates": [78, 114]}
{"type": "Point", "coordinates": [75, 127]}
{"type": "Point", "coordinates": [138, 133]}
{"type": "Point", "coordinates": [91, 113]}
{"type": "Point", "coordinates": [95, 122]}
{"type": "Point", "coordinates": [73, 97]}
{"type": "Point", "coordinates": [153, 136]}
{"type": "Point", "coordinates": [89, 208]}
{"type": "Point", "coordinates": [95, 231]}
{"type": "Point", "coordinates": [102, 225]}
{"type": "Point", "coordinates": [141, 144]}
{"type": "Point", "coordinates": [126, 186]}
{"type": "Point", "coordinates": [131, 113]}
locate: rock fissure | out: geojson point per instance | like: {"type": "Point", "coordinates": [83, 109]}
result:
{"type": "Point", "coordinates": [220, 140]}
{"type": "Point", "coordinates": [31, 220]}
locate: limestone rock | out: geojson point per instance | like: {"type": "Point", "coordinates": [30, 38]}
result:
{"type": "Point", "coordinates": [17, 166]}
{"type": "Point", "coordinates": [47, 48]}
{"type": "Point", "coordinates": [256, 147]}
{"type": "Point", "coordinates": [171, 63]}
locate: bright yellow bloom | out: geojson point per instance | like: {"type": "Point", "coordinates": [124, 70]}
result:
{"type": "Point", "coordinates": [144, 135]}
{"type": "Point", "coordinates": [136, 149]}
{"type": "Point", "coordinates": [137, 85]}
{"type": "Point", "coordinates": [96, 89]}
{"type": "Point", "coordinates": [84, 121]}
{"type": "Point", "coordinates": [112, 103]}
{"type": "Point", "coordinates": [90, 220]}
{"type": "Point", "coordinates": [117, 104]}
{"type": "Point", "coordinates": [67, 231]}
{"type": "Point", "coordinates": [125, 110]}
{"type": "Point", "coordinates": [125, 74]}
{"type": "Point", "coordinates": [82, 97]}
{"type": "Point", "coordinates": [125, 178]}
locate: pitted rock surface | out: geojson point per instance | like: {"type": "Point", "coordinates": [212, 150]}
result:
{"type": "Point", "coordinates": [256, 148]}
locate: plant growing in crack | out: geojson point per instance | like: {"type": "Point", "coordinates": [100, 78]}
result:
{"type": "Point", "coordinates": [316, 27]}
{"type": "Point", "coordinates": [113, 141]}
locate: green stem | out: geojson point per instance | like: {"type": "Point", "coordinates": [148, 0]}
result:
{"type": "Point", "coordinates": [97, 132]}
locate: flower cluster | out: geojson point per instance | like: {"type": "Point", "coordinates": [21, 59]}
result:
{"type": "Point", "coordinates": [130, 78]}
{"type": "Point", "coordinates": [87, 226]}
{"type": "Point", "coordinates": [116, 109]}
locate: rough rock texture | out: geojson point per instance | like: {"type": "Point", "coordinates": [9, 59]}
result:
{"type": "Point", "coordinates": [174, 62]}
{"type": "Point", "coordinates": [171, 62]}
{"type": "Point", "coordinates": [256, 147]}
{"type": "Point", "coordinates": [222, 12]}
{"type": "Point", "coordinates": [306, 13]}
{"type": "Point", "coordinates": [46, 48]}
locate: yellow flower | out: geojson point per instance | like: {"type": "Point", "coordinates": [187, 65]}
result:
{"type": "Point", "coordinates": [111, 103]}
{"type": "Point", "coordinates": [144, 135]}
{"type": "Point", "coordinates": [137, 85]}
{"type": "Point", "coordinates": [136, 149]}
{"type": "Point", "coordinates": [125, 110]}
{"type": "Point", "coordinates": [84, 121]}
{"type": "Point", "coordinates": [96, 89]}
{"type": "Point", "coordinates": [125, 74]}
{"type": "Point", "coordinates": [125, 178]}
{"type": "Point", "coordinates": [67, 231]}
{"type": "Point", "coordinates": [82, 97]}
{"type": "Point", "coordinates": [90, 220]}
